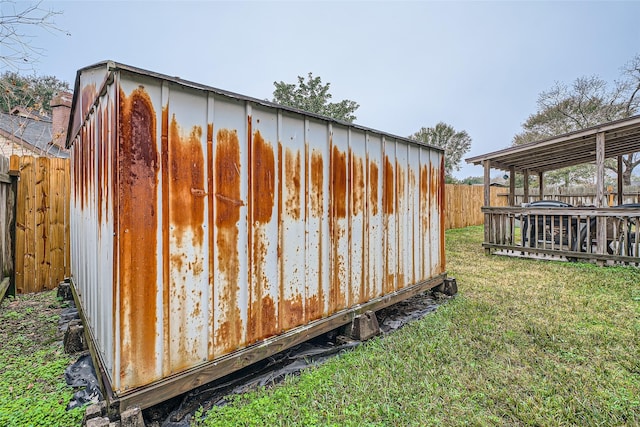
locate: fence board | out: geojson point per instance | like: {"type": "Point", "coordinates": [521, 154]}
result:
{"type": "Point", "coordinates": [464, 202]}
{"type": "Point", "coordinates": [6, 212]}
{"type": "Point", "coordinates": [42, 223]}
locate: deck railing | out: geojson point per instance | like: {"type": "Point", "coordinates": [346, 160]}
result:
{"type": "Point", "coordinates": [604, 235]}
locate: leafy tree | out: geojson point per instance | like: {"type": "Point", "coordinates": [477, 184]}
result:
{"type": "Point", "coordinates": [32, 92]}
{"type": "Point", "coordinates": [313, 96]}
{"type": "Point", "coordinates": [17, 22]}
{"type": "Point", "coordinates": [587, 102]}
{"type": "Point", "coordinates": [455, 144]}
{"type": "Point", "coordinates": [472, 180]}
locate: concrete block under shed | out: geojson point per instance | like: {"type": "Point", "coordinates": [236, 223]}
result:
{"type": "Point", "coordinates": [363, 327]}
{"type": "Point", "coordinates": [74, 339]}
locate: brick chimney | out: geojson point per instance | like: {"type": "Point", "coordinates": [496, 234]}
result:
{"type": "Point", "coordinates": [60, 111]}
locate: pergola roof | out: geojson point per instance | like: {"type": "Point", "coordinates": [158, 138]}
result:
{"type": "Point", "coordinates": [621, 137]}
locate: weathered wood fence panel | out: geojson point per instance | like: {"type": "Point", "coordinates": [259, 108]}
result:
{"type": "Point", "coordinates": [464, 204]}
{"type": "Point", "coordinates": [7, 200]}
{"type": "Point", "coordinates": [42, 222]}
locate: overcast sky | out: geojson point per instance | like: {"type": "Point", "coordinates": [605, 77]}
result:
{"type": "Point", "coordinates": [478, 66]}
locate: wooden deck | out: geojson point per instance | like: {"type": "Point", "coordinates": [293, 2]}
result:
{"type": "Point", "coordinates": [602, 235]}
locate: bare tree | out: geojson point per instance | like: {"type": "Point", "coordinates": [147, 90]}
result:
{"type": "Point", "coordinates": [587, 102]}
{"type": "Point", "coordinates": [19, 22]}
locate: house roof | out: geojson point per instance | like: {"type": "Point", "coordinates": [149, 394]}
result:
{"type": "Point", "coordinates": [574, 148]}
{"type": "Point", "coordinates": [32, 131]}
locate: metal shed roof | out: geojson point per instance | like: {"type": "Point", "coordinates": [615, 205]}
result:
{"type": "Point", "coordinates": [574, 148]}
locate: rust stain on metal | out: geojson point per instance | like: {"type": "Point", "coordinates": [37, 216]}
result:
{"type": "Point", "coordinates": [317, 181]}
{"type": "Point", "coordinates": [138, 161]}
{"type": "Point", "coordinates": [339, 182]}
{"type": "Point", "coordinates": [373, 188]}
{"type": "Point", "coordinates": [186, 182]}
{"type": "Point", "coordinates": [88, 95]}
{"type": "Point", "coordinates": [106, 149]}
{"type": "Point", "coordinates": [390, 284]}
{"type": "Point", "coordinates": [358, 185]}
{"type": "Point", "coordinates": [314, 304]}
{"type": "Point", "coordinates": [166, 269]}
{"type": "Point", "coordinates": [115, 191]}
{"type": "Point", "coordinates": [262, 313]}
{"type": "Point", "coordinates": [424, 216]}
{"type": "Point", "coordinates": [100, 170]}
{"type": "Point", "coordinates": [250, 192]}
{"type": "Point", "coordinates": [210, 236]}
{"type": "Point", "coordinates": [263, 175]}
{"type": "Point", "coordinates": [280, 310]}
{"type": "Point", "coordinates": [292, 182]}
{"type": "Point", "coordinates": [389, 199]}
{"type": "Point", "coordinates": [400, 186]}
{"type": "Point", "coordinates": [293, 313]}
{"type": "Point", "coordinates": [227, 213]}
{"type": "Point", "coordinates": [338, 189]}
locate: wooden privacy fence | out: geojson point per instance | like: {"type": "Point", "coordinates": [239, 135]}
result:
{"type": "Point", "coordinates": [42, 222]}
{"type": "Point", "coordinates": [464, 203]}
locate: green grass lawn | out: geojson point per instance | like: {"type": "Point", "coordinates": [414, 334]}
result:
{"type": "Point", "coordinates": [33, 391]}
{"type": "Point", "coordinates": [525, 342]}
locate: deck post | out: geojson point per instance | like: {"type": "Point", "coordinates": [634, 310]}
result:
{"type": "Point", "coordinates": [620, 187]}
{"type": "Point", "coordinates": [526, 187]}
{"type": "Point", "coordinates": [541, 185]}
{"type": "Point", "coordinates": [487, 202]}
{"type": "Point", "coordinates": [512, 185]}
{"type": "Point", "coordinates": [601, 222]}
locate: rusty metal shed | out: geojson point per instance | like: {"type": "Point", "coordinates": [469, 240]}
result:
{"type": "Point", "coordinates": [210, 230]}
{"type": "Point", "coordinates": [601, 232]}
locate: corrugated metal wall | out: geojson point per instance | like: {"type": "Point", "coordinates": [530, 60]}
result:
{"type": "Point", "coordinates": [203, 223]}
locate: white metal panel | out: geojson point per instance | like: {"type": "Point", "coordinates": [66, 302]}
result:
{"type": "Point", "coordinates": [264, 289]}
{"type": "Point", "coordinates": [391, 222]}
{"type": "Point", "coordinates": [139, 195]}
{"type": "Point", "coordinates": [291, 220]}
{"type": "Point", "coordinates": [414, 237]}
{"type": "Point", "coordinates": [317, 234]}
{"type": "Point", "coordinates": [230, 234]}
{"type": "Point", "coordinates": [338, 293]}
{"type": "Point", "coordinates": [402, 213]}
{"type": "Point", "coordinates": [188, 231]}
{"type": "Point", "coordinates": [357, 205]}
{"type": "Point", "coordinates": [434, 226]}
{"type": "Point", "coordinates": [375, 216]}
